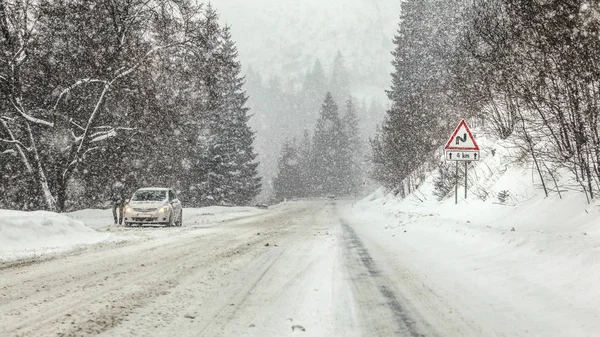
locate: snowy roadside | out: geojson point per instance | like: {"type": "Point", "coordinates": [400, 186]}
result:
{"type": "Point", "coordinates": [32, 234]}
{"type": "Point", "coordinates": [227, 280]}
{"type": "Point", "coordinates": [102, 219]}
{"type": "Point", "coordinates": [525, 269]}
{"type": "Point", "coordinates": [510, 260]}
{"type": "Point", "coordinates": [27, 235]}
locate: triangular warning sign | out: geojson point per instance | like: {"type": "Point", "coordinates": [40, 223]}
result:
{"type": "Point", "coordinates": [462, 139]}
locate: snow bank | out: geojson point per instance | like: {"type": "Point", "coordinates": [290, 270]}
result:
{"type": "Point", "coordinates": [533, 260]}
{"type": "Point", "coordinates": [98, 219]}
{"type": "Point", "coordinates": [28, 234]}
{"type": "Point", "coordinates": [526, 207]}
{"type": "Point", "coordinates": [103, 218]}
{"type": "Point", "coordinates": [564, 226]}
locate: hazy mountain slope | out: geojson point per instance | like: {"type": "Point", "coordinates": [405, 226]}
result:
{"type": "Point", "coordinates": [283, 37]}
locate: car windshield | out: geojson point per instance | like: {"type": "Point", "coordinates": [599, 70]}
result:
{"type": "Point", "coordinates": [150, 195]}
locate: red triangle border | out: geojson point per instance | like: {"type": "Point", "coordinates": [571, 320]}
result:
{"type": "Point", "coordinates": [450, 147]}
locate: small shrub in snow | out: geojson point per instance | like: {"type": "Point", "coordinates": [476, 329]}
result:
{"type": "Point", "coordinates": [503, 196]}
{"type": "Point", "coordinates": [445, 181]}
{"type": "Point", "coordinates": [479, 191]}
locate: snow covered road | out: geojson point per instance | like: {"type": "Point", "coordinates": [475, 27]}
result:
{"type": "Point", "coordinates": [296, 270]}
{"type": "Point", "coordinates": [311, 268]}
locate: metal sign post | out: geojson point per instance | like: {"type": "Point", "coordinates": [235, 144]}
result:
{"type": "Point", "coordinates": [461, 147]}
{"type": "Point", "coordinates": [466, 178]}
{"type": "Point", "coordinates": [456, 185]}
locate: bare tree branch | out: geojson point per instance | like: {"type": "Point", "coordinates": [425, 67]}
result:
{"type": "Point", "coordinates": [14, 142]}
{"type": "Point", "coordinates": [73, 86]}
{"type": "Point", "coordinates": [18, 146]}
{"type": "Point", "coordinates": [17, 104]}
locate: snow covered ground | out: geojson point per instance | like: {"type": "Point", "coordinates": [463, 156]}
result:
{"type": "Point", "coordinates": [102, 219]}
{"type": "Point", "coordinates": [30, 234]}
{"type": "Point", "coordinates": [379, 267]}
{"type": "Point", "coordinates": [270, 274]}
{"type": "Point", "coordinates": [27, 235]}
{"type": "Point", "coordinates": [528, 267]}
{"type": "Point", "coordinates": [535, 281]}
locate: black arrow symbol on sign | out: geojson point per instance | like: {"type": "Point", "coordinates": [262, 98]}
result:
{"type": "Point", "coordinates": [459, 139]}
{"type": "Point", "coordinates": [450, 155]}
{"type": "Point", "coordinates": [475, 156]}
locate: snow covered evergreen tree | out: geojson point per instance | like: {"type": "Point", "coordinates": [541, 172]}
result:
{"type": "Point", "coordinates": [242, 183]}
{"type": "Point", "coordinates": [288, 183]}
{"type": "Point", "coordinates": [339, 84]}
{"type": "Point", "coordinates": [225, 168]}
{"type": "Point", "coordinates": [420, 91]}
{"type": "Point", "coordinates": [330, 148]}
{"type": "Point", "coordinates": [305, 155]}
{"type": "Point", "coordinates": [354, 150]}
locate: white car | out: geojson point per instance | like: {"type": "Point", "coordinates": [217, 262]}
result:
{"type": "Point", "coordinates": [154, 206]}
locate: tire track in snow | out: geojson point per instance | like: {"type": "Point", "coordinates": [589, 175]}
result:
{"type": "Point", "coordinates": [293, 240]}
{"type": "Point", "coordinates": [225, 314]}
{"type": "Point", "coordinates": [81, 295]}
{"type": "Point", "coordinates": [119, 297]}
{"type": "Point", "coordinates": [383, 314]}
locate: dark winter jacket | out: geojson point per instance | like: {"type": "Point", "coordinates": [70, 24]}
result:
{"type": "Point", "coordinates": [117, 196]}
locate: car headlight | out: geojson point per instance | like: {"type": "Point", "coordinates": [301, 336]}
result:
{"type": "Point", "coordinates": [128, 208]}
{"type": "Point", "coordinates": [164, 209]}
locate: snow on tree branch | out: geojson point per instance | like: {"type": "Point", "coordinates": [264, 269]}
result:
{"type": "Point", "coordinates": [9, 152]}
{"type": "Point", "coordinates": [19, 146]}
{"type": "Point", "coordinates": [103, 135]}
{"type": "Point", "coordinates": [76, 84]}
{"type": "Point", "coordinates": [17, 104]}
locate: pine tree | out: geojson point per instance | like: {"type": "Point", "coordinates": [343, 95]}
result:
{"type": "Point", "coordinates": [225, 166]}
{"type": "Point", "coordinates": [313, 89]}
{"type": "Point", "coordinates": [421, 80]}
{"type": "Point", "coordinates": [306, 165]}
{"type": "Point", "coordinates": [288, 183]}
{"type": "Point", "coordinates": [354, 150]}
{"type": "Point", "coordinates": [241, 178]}
{"type": "Point", "coordinates": [205, 175]}
{"type": "Point", "coordinates": [329, 150]}
{"type": "Point", "coordinates": [208, 172]}
{"type": "Point", "coordinates": [340, 79]}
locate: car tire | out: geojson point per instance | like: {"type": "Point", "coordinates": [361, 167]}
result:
{"type": "Point", "coordinates": [170, 223]}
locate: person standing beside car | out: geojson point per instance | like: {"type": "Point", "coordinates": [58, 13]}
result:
{"type": "Point", "coordinates": [118, 202]}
